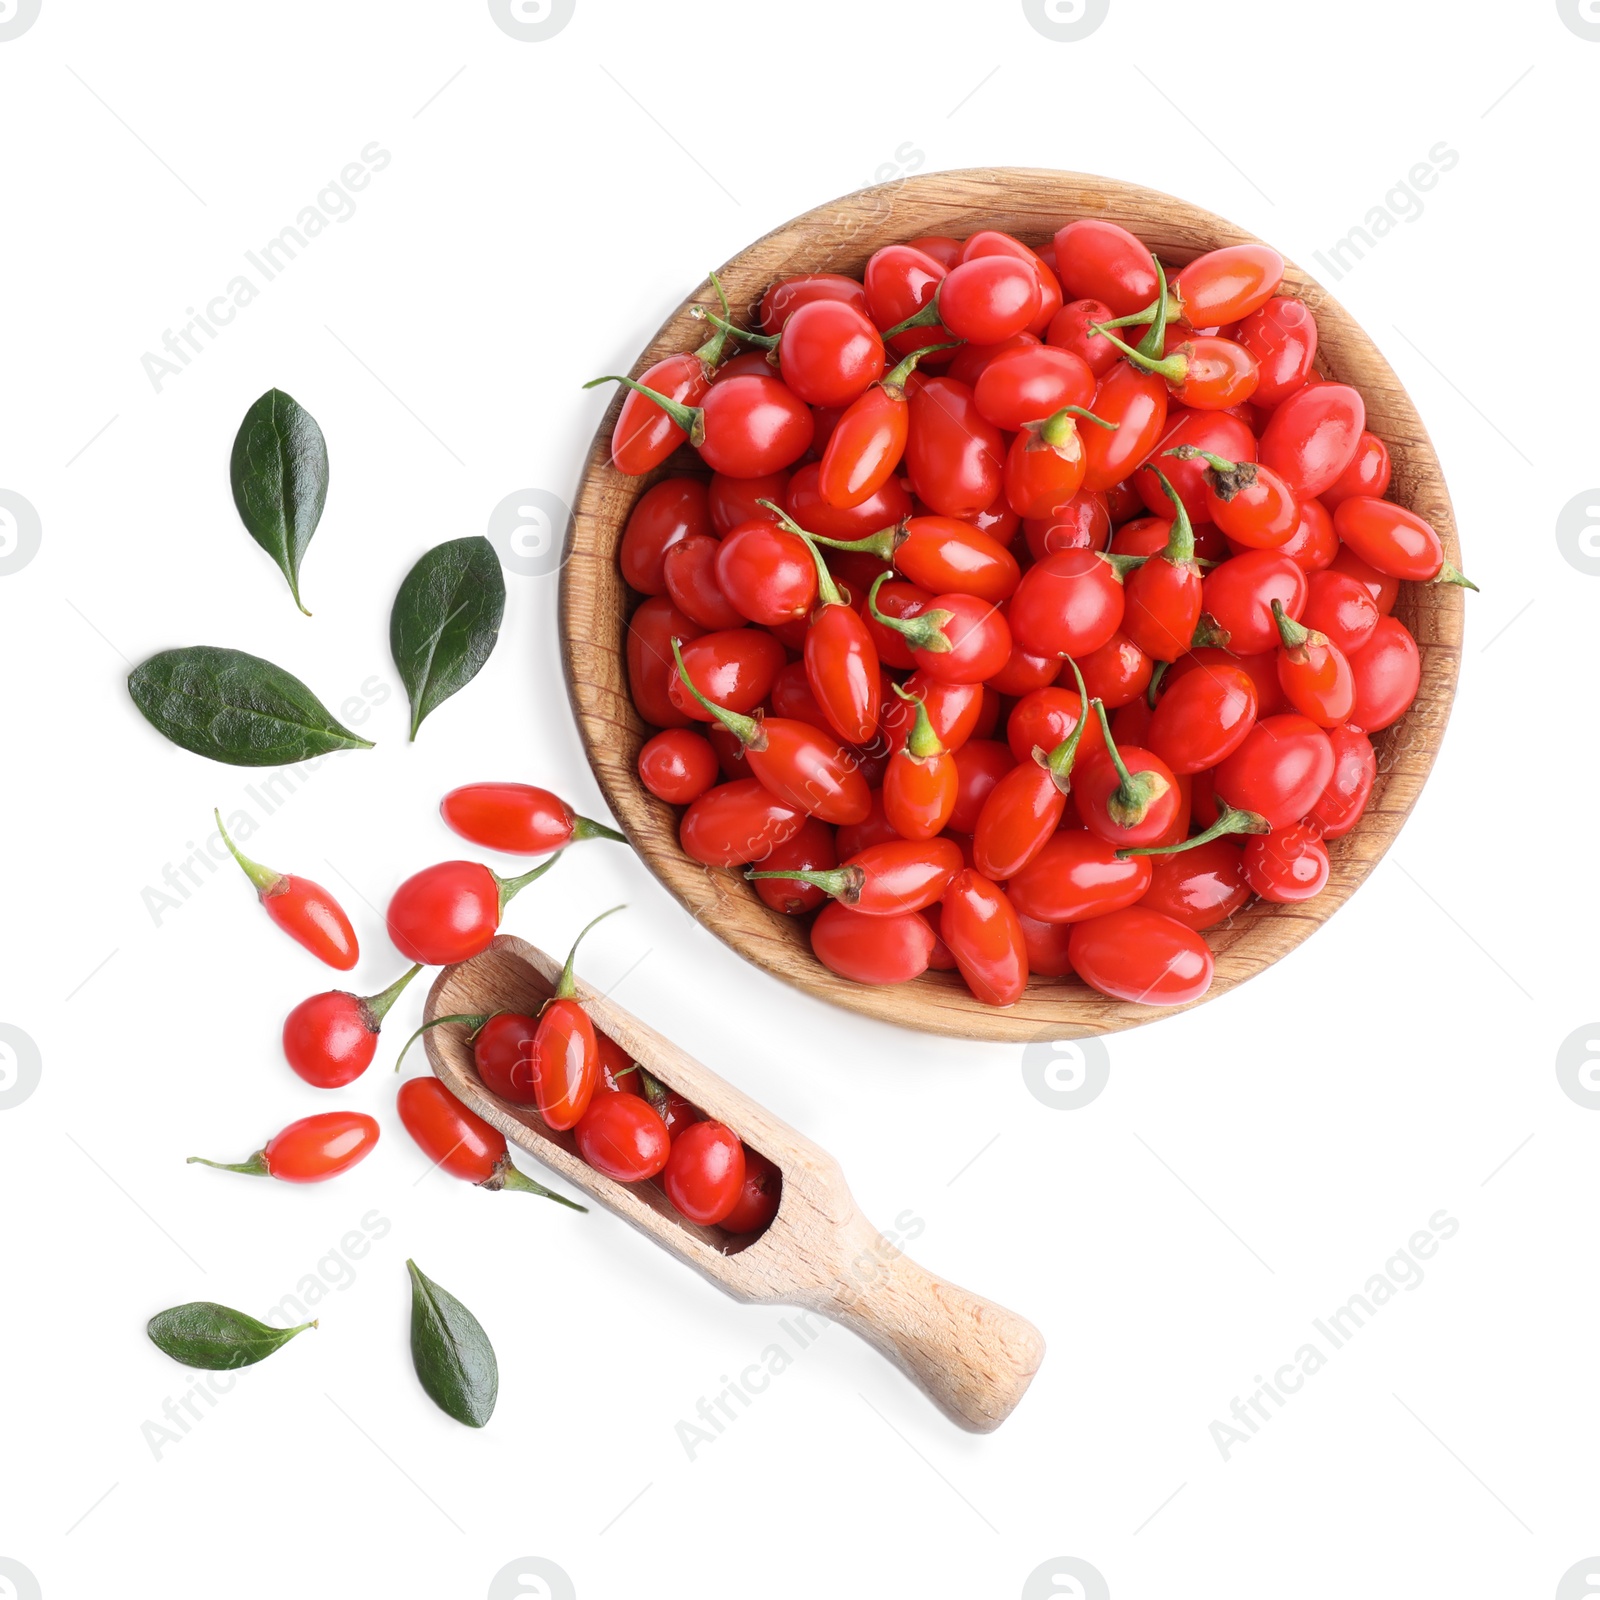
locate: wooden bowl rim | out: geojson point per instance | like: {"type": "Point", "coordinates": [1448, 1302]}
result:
{"type": "Point", "coordinates": [827, 238]}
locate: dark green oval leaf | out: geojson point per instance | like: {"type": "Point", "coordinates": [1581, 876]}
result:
{"type": "Point", "coordinates": [280, 480]}
{"type": "Point", "coordinates": [452, 1354]}
{"type": "Point", "coordinates": [236, 708]}
{"type": "Point", "coordinates": [445, 621]}
{"type": "Point", "coordinates": [204, 1334]}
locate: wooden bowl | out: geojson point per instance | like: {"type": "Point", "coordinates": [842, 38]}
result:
{"type": "Point", "coordinates": [839, 237]}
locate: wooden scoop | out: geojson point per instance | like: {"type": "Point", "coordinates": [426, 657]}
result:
{"type": "Point", "coordinates": [974, 1358]}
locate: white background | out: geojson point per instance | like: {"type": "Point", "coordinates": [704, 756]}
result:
{"type": "Point", "coordinates": [1250, 1165]}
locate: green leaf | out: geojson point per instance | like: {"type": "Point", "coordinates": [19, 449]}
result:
{"type": "Point", "coordinates": [235, 708]}
{"type": "Point", "coordinates": [445, 621]}
{"type": "Point", "coordinates": [204, 1334]}
{"type": "Point", "coordinates": [452, 1354]}
{"type": "Point", "coordinates": [280, 480]}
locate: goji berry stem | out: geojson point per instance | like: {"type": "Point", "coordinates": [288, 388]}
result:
{"type": "Point", "coordinates": [1134, 319]}
{"type": "Point", "coordinates": [1155, 338]}
{"type": "Point", "coordinates": [827, 590]}
{"type": "Point", "coordinates": [881, 544]}
{"type": "Point", "coordinates": [376, 1006]}
{"type": "Point", "coordinates": [255, 1167]}
{"type": "Point", "coordinates": [894, 385]}
{"type": "Point", "coordinates": [1227, 477]}
{"type": "Point", "coordinates": [1167, 306]}
{"type": "Point", "coordinates": [266, 881]}
{"type": "Point", "coordinates": [511, 887]}
{"type": "Point", "coordinates": [1180, 542]}
{"type": "Point", "coordinates": [567, 987]}
{"type": "Point", "coordinates": [927, 317]}
{"type": "Point", "coordinates": [843, 883]}
{"type": "Point", "coordinates": [711, 353]}
{"type": "Point", "coordinates": [1122, 565]}
{"type": "Point", "coordinates": [1061, 429]}
{"type": "Point", "coordinates": [477, 1019]}
{"type": "Point", "coordinates": [922, 632]}
{"type": "Point", "coordinates": [507, 1176]}
{"type": "Point", "coordinates": [1449, 574]}
{"type": "Point", "coordinates": [747, 730]}
{"type": "Point", "coordinates": [1295, 637]}
{"type": "Point", "coordinates": [1157, 673]}
{"type": "Point", "coordinates": [1231, 820]}
{"type": "Point", "coordinates": [588, 828]}
{"type": "Point", "coordinates": [922, 743]}
{"type": "Point", "coordinates": [1129, 803]}
{"type": "Point", "coordinates": [690, 418]}
{"type": "Point", "coordinates": [1058, 762]}
{"type": "Point", "coordinates": [1193, 452]}
{"type": "Point", "coordinates": [767, 341]}
{"type": "Point", "coordinates": [1174, 368]}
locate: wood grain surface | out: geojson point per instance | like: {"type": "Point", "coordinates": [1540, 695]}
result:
{"type": "Point", "coordinates": [839, 237]}
{"type": "Point", "coordinates": [975, 1359]}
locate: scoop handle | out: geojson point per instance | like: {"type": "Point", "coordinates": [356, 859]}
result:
{"type": "Point", "coordinates": [975, 1359]}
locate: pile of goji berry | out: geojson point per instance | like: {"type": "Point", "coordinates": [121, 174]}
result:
{"type": "Point", "coordinates": [622, 1120]}
{"type": "Point", "coordinates": [1035, 611]}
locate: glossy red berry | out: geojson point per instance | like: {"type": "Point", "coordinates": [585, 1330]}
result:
{"type": "Point", "coordinates": [1069, 604]}
{"type": "Point", "coordinates": [704, 1173]}
{"type": "Point", "coordinates": [303, 909]}
{"type": "Point", "coordinates": [517, 819]}
{"type": "Point", "coordinates": [954, 638]}
{"type": "Point", "coordinates": [1141, 956]}
{"type": "Point", "coordinates": [1355, 770]}
{"type": "Point", "coordinates": [1279, 771]}
{"type": "Point", "coordinates": [1077, 876]}
{"type": "Point", "coordinates": [1394, 541]}
{"type": "Point", "coordinates": [872, 950]}
{"type": "Point", "coordinates": [1200, 887]}
{"type": "Point", "coordinates": [677, 766]}
{"type": "Point", "coordinates": [459, 1142]}
{"type": "Point", "coordinates": [1313, 436]}
{"type": "Point", "coordinates": [622, 1136]}
{"type": "Point", "coordinates": [738, 822]}
{"type": "Point", "coordinates": [311, 1150]}
{"type": "Point", "coordinates": [1388, 672]}
{"type": "Point", "coordinates": [502, 1051]}
{"type": "Point", "coordinates": [664, 514]}
{"type": "Point", "coordinates": [1287, 865]}
{"type": "Point", "coordinates": [1223, 286]}
{"type": "Point", "coordinates": [759, 1196]}
{"type": "Point", "coordinates": [330, 1039]}
{"type": "Point", "coordinates": [980, 927]}
{"type": "Point", "coordinates": [451, 912]}
{"type": "Point", "coordinates": [813, 852]}
{"type": "Point", "coordinates": [564, 1062]}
